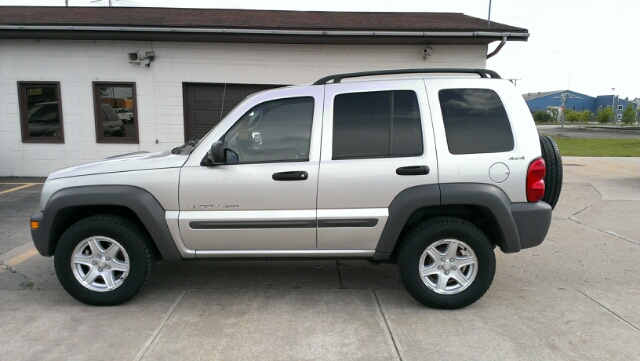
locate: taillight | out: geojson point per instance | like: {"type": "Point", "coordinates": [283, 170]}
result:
{"type": "Point", "coordinates": [535, 180]}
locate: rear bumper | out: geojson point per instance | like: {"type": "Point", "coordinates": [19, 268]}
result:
{"type": "Point", "coordinates": [532, 221]}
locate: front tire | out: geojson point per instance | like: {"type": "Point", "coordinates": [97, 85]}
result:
{"type": "Point", "coordinates": [104, 260]}
{"type": "Point", "coordinates": [446, 263]}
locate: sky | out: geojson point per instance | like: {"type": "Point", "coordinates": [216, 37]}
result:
{"type": "Point", "coordinates": [587, 46]}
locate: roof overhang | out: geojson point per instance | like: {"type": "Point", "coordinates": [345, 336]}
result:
{"type": "Point", "coordinates": [248, 35]}
{"type": "Point", "coordinates": [251, 26]}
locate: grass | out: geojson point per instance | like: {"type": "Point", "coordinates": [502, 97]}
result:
{"type": "Point", "coordinates": [598, 147]}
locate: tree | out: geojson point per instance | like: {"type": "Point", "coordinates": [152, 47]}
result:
{"type": "Point", "coordinates": [629, 114]}
{"type": "Point", "coordinates": [604, 115]}
{"type": "Point", "coordinates": [586, 116]}
{"type": "Point", "coordinates": [571, 115]}
{"type": "Point", "coordinates": [542, 116]}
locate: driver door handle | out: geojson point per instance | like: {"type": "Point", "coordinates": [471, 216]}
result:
{"type": "Point", "coordinates": [290, 176]}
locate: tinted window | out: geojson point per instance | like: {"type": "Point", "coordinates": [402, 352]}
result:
{"type": "Point", "coordinates": [376, 124]}
{"type": "Point", "coordinates": [278, 130]}
{"type": "Point", "coordinates": [475, 121]}
{"type": "Point", "coordinates": [40, 112]}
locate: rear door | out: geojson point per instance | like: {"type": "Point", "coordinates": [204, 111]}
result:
{"type": "Point", "coordinates": [375, 144]}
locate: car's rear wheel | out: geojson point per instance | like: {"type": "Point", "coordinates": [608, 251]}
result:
{"type": "Point", "coordinates": [446, 263]}
{"type": "Point", "coordinates": [103, 260]}
{"type": "Point", "coordinates": [553, 176]}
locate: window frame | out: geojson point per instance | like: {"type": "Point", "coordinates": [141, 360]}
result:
{"type": "Point", "coordinates": [97, 104]}
{"type": "Point", "coordinates": [620, 107]}
{"type": "Point", "coordinates": [24, 122]}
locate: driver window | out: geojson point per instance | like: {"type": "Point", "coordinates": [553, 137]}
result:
{"type": "Point", "coordinates": [273, 131]}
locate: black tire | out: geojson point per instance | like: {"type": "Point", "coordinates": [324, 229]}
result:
{"type": "Point", "coordinates": [444, 229]}
{"type": "Point", "coordinates": [127, 236]}
{"type": "Point", "coordinates": [553, 177]}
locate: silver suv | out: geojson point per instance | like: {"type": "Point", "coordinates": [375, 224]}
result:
{"type": "Point", "coordinates": [430, 172]}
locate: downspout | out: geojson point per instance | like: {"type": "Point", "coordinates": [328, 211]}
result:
{"type": "Point", "coordinates": [504, 41]}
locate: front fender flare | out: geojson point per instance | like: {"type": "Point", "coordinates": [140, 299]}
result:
{"type": "Point", "coordinates": [138, 200]}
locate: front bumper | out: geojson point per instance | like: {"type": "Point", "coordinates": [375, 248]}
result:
{"type": "Point", "coordinates": [40, 236]}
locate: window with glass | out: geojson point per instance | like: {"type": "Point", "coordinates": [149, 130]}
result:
{"type": "Point", "coordinates": [376, 124]}
{"type": "Point", "coordinates": [274, 131]}
{"type": "Point", "coordinates": [115, 112]}
{"type": "Point", "coordinates": [475, 121]}
{"type": "Point", "coordinates": [40, 112]}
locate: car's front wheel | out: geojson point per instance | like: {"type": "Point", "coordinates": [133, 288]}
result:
{"type": "Point", "coordinates": [104, 260]}
{"type": "Point", "coordinates": [446, 263]}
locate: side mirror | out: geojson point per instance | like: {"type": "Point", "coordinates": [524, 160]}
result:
{"type": "Point", "coordinates": [216, 153]}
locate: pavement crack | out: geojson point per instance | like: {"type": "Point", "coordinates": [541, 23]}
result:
{"type": "Point", "coordinates": [339, 274]}
{"type": "Point", "coordinates": [27, 284]}
{"type": "Point", "coordinates": [154, 338]}
{"type": "Point", "coordinates": [386, 323]}
{"type": "Point", "coordinates": [608, 309]}
{"type": "Point", "coordinates": [571, 218]}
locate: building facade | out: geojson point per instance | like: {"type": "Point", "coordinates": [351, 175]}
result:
{"type": "Point", "coordinates": [82, 84]}
{"type": "Point", "coordinates": [576, 101]}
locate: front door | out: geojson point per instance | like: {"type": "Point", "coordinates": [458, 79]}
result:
{"type": "Point", "coordinates": [264, 197]}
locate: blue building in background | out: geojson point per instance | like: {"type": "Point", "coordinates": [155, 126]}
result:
{"type": "Point", "coordinates": [576, 101]}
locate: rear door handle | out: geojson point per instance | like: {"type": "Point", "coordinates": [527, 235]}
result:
{"type": "Point", "coordinates": [290, 176]}
{"type": "Point", "coordinates": [413, 170]}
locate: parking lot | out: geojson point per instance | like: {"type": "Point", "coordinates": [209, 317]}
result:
{"type": "Point", "coordinates": [575, 297]}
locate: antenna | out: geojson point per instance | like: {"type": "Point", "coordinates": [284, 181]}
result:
{"type": "Point", "coordinates": [489, 16]}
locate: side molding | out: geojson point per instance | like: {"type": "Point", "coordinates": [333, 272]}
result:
{"type": "Point", "coordinates": [141, 202]}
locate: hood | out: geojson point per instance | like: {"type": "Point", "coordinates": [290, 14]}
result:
{"type": "Point", "coordinates": [124, 163]}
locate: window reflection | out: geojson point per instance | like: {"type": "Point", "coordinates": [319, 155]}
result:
{"type": "Point", "coordinates": [43, 111]}
{"type": "Point", "coordinates": [115, 112]}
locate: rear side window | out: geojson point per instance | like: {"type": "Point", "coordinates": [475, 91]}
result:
{"type": "Point", "coordinates": [376, 124]}
{"type": "Point", "coordinates": [475, 121]}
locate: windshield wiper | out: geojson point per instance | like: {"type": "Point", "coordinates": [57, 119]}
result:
{"type": "Point", "coordinates": [190, 143]}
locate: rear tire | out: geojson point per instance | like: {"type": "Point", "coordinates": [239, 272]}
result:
{"type": "Point", "coordinates": [446, 263]}
{"type": "Point", "coordinates": [553, 177]}
{"type": "Point", "coordinates": [104, 260]}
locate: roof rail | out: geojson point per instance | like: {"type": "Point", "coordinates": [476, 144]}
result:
{"type": "Point", "coordinates": [484, 73]}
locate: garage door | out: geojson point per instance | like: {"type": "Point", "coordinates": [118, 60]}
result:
{"type": "Point", "coordinates": [206, 104]}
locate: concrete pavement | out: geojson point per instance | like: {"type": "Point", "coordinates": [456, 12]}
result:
{"type": "Point", "coordinates": [576, 296]}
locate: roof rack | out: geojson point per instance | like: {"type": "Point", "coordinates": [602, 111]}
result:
{"type": "Point", "coordinates": [484, 73]}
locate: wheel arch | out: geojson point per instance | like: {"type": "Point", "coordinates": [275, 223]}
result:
{"type": "Point", "coordinates": [485, 206]}
{"type": "Point", "coordinates": [69, 205]}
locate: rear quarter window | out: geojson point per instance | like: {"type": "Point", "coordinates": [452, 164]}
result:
{"type": "Point", "coordinates": [475, 121]}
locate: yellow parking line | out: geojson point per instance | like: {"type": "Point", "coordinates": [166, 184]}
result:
{"type": "Point", "coordinates": [1, 183]}
{"type": "Point", "coordinates": [18, 188]}
{"type": "Point", "coordinates": [21, 258]}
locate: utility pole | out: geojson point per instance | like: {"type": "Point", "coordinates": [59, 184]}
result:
{"type": "Point", "coordinates": [613, 104]}
{"type": "Point", "coordinates": [563, 101]}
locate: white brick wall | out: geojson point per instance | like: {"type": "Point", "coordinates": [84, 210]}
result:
{"type": "Point", "coordinates": [75, 64]}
